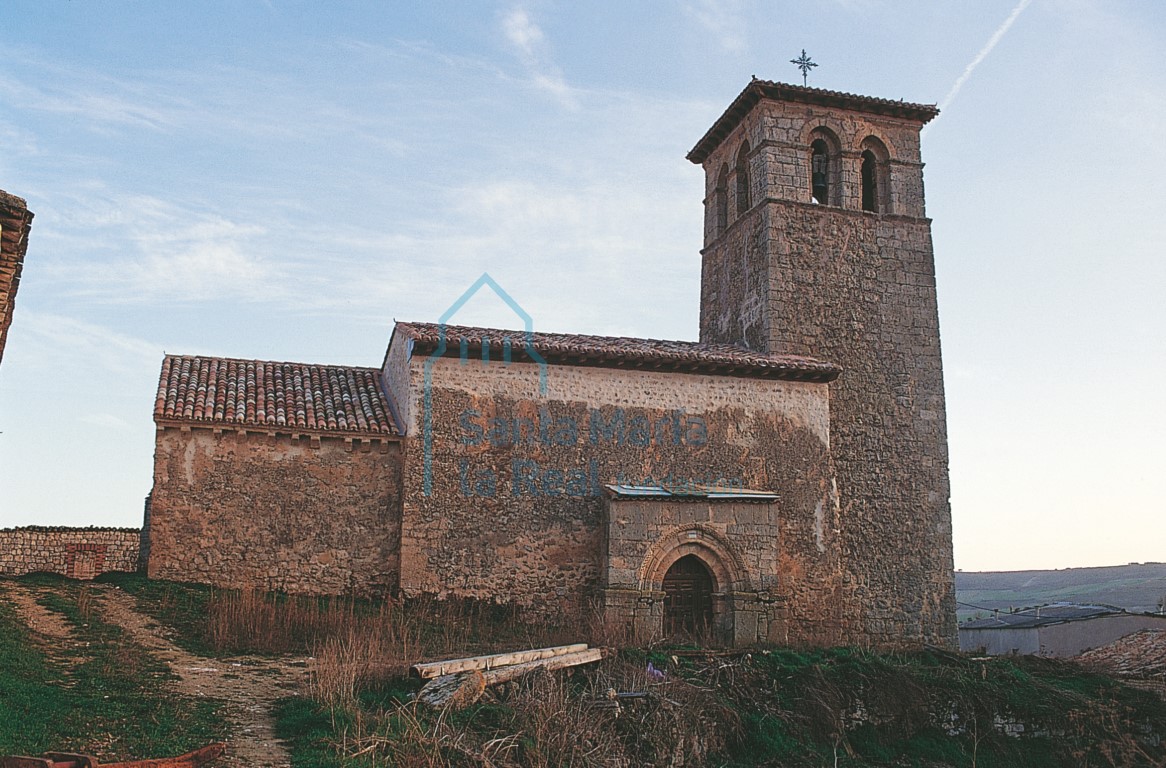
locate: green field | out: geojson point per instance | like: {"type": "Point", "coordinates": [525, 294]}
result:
{"type": "Point", "coordinates": [1136, 587]}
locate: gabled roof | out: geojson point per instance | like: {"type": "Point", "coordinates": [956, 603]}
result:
{"type": "Point", "coordinates": [1056, 613]}
{"type": "Point", "coordinates": [765, 89]}
{"type": "Point", "coordinates": [272, 395]}
{"type": "Point", "coordinates": [618, 352]}
{"type": "Point", "coordinates": [15, 220]}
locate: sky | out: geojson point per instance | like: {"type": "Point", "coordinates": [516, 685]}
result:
{"type": "Point", "coordinates": [281, 180]}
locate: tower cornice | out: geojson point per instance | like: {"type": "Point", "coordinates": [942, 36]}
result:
{"type": "Point", "coordinates": [757, 90]}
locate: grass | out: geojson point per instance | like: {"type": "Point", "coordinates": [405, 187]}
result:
{"type": "Point", "coordinates": [219, 622]}
{"type": "Point", "coordinates": [182, 607]}
{"type": "Point", "coordinates": [769, 707]}
{"type": "Point", "coordinates": [1138, 587]}
{"type": "Point", "coordinates": [113, 703]}
{"type": "Point", "coordinates": [790, 707]}
{"type": "Point", "coordinates": [777, 707]}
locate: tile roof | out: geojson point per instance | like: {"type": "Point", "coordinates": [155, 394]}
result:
{"type": "Point", "coordinates": [621, 352]}
{"type": "Point", "coordinates": [765, 89]}
{"type": "Point", "coordinates": [285, 396]}
{"type": "Point", "coordinates": [1140, 653]}
{"type": "Point", "coordinates": [15, 220]}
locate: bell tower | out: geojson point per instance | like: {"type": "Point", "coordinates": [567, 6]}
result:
{"type": "Point", "coordinates": [816, 243]}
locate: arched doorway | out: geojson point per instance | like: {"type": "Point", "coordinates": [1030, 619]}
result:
{"type": "Point", "coordinates": [688, 598]}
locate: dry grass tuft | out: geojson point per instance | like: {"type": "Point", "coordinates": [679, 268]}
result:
{"type": "Point", "coordinates": [359, 643]}
{"type": "Point", "coordinates": [271, 623]}
{"type": "Point", "coordinates": [372, 648]}
{"type": "Point", "coordinates": [552, 719]}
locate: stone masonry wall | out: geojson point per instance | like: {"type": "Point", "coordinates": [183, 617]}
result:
{"type": "Point", "coordinates": [512, 509]}
{"type": "Point", "coordinates": [274, 512]}
{"type": "Point", "coordinates": [779, 137]}
{"type": "Point", "coordinates": [15, 220]}
{"type": "Point", "coordinates": [858, 289]}
{"type": "Point", "coordinates": [79, 553]}
{"type": "Point", "coordinates": [889, 425]}
{"type": "Point", "coordinates": [776, 580]}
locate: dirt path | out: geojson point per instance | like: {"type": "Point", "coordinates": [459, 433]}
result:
{"type": "Point", "coordinates": [35, 616]}
{"type": "Point", "coordinates": [250, 685]}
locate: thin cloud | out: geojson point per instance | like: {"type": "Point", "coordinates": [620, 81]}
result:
{"type": "Point", "coordinates": [181, 256]}
{"type": "Point", "coordinates": [65, 339]}
{"type": "Point", "coordinates": [522, 33]}
{"type": "Point", "coordinates": [983, 54]}
{"type": "Point", "coordinates": [529, 43]}
{"type": "Point", "coordinates": [106, 421]}
{"type": "Point", "coordinates": [95, 98]}
{"type": "Point", "coordinates": [594, 233]}
{"type": "Point", "coordinates": [723, 20]}
{"type": "Point", "coordinates": [163, 101]}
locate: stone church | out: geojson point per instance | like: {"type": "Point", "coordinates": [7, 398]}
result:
{"type": "Point", "coordinates": [784, 479]}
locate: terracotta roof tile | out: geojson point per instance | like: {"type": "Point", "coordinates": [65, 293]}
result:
{"type": "Point", "coordinates": [284, 396]}
{"type": "Point", "coordinates": [623, 352]}
{"type": "Point", "coordinates": [1140, 653]}
{"type": "Point", "coordinates": [759, 89]}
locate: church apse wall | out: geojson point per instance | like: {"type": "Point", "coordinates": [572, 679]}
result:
{"type": "Point", "coordinates": [266, 512]}
{"type": "Point", "coordinates": [509, 501]}
{"type": "Point", "coordinates": [274, 476]}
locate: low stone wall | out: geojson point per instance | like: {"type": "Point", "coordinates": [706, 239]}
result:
{"type": "Point", "coordinates": [79, 553]}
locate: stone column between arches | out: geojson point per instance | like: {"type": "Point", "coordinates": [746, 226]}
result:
{"type": "Point", "coordinates": [738, 541]}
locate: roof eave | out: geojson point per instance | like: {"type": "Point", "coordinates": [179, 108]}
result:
{"type": "Point", "coordinates": [273, 429]}
{"type": "Point", "coordinates": [824, 373]}
{"type": "Point", "coordinates": [757, 90]}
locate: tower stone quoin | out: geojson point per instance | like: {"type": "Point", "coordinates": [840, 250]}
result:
{"type": "Point", "coordinates": [816, 242]}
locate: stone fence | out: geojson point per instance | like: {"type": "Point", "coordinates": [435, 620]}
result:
{"type": "Point", "coordinates": [79, 553]}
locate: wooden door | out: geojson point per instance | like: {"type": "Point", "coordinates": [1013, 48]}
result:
{"type": "Point", "coordinates": [688, 598]}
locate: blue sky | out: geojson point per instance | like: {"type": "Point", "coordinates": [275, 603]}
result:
{"type": "Point", "coordinates": [281, 180]}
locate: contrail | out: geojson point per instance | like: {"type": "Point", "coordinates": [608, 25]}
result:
{"type": "Point", "coordinates": [983, 54]}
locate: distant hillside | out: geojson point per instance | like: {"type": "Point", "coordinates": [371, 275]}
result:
{"type": "Point", "coordinates": [1135, 587]}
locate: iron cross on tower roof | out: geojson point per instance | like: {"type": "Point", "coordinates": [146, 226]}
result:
{"type": "Point", "coordinates": [804, 64]}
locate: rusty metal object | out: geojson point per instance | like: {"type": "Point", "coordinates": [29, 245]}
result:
{"type": "Point", "coordinates": [69, 760]}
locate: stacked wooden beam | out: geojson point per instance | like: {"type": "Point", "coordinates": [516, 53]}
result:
{"type": "Point", "coordinates": [459, 682]}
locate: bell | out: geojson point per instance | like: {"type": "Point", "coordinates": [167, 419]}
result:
{"type": "Point", "coordinates": [818, 185]}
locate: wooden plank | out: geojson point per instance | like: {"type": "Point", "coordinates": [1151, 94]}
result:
{"type": "Point", "coordinates": [461, 689]}
{"type": "Point", "coordinates": [512, 671]}
{"type": "Point", "coordinates": [432, 669]}
{"type": "Point", "coordinates": [458, 690]}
